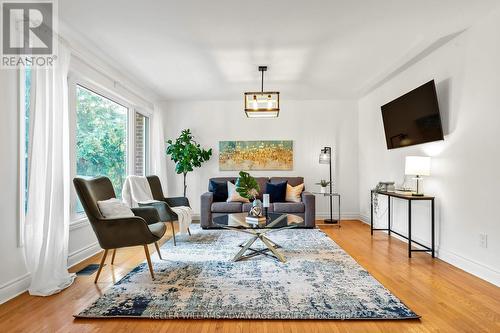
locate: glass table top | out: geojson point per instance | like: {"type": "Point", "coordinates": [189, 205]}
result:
{"type": "Point", "coordinates": [274, 221]}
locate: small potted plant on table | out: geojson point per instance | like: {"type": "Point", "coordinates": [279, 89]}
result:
{"type": "Point", "coordinates": [323, 183]}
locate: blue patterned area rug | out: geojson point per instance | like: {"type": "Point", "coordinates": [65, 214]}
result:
{"type": "Point", "coordinates": [197, 279]}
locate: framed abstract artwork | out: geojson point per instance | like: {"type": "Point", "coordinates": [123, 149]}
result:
{"type": "Point", "coordinates": [255, 155]}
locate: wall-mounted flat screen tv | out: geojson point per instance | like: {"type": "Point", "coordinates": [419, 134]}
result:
{"type": "Point", "coordinates": [413, 118]}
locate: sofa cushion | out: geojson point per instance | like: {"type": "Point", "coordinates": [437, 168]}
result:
{"type": "Point", "coordinates": [276, 191]}
{"type": "Point", "coordinates": [289, 207]}
{"type": "Point", "coordinates": [226, 207]}
{"type": "Point", "coordinates": [219, 189]}
{"type": "Point", "coordinates": [294, 181]}
{"type": "Point", "coordinates": [247, 206]}
{"type": "Point", "coordinates": [293, 193]}
{"type": "Point", "coordinates": [262, 181]}
{"type": "Point", "coordinates": [233, 195]}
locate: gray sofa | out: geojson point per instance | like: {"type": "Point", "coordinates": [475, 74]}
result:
{"type": "Point", "coordinates": [306, 208]}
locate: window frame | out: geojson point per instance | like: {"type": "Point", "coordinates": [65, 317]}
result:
{"type": "Point", "coordinates": [75, 77]}
{"type": "Point", "coordinates": [21, 84]}
{"type": "Point", "coordinates": [147, 138]}
{"type": "Point", "coordinates": [74, 80]}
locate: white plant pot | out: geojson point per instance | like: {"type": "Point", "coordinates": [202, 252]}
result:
{"type": "Point", "coordinates": [323, 189]}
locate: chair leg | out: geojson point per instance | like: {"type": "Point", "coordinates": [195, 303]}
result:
{"type": "Point", "coordinates": [189, 232]}
{"type": "Point", "coordinates": [113, 257]}
{"type": "Point", "coordinates": [149, 261]}
{"type": "Point", "coordinates": [173, 232]}
{"type": "Point", "coordinates": [103, 259]}
{"type": "Point", "coordinates": [158, 250]}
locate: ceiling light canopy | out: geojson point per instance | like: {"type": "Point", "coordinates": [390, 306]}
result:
{"type": "Point", "coordinates": [263, 104]}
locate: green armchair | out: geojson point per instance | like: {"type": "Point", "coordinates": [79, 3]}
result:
{"type": "Point", "coordinates": [113, 233]}
{"type": "Point", "coordinates": [163, 206]}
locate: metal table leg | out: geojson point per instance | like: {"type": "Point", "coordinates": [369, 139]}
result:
{"type": "Point", "coordinates": [371, 213]}
{"type": "Point", "coordinates": [409, 228]}
{"type": "Point", "coordinates": [432, 227]}
{"type": "Point", "coordinates": [389, 215]}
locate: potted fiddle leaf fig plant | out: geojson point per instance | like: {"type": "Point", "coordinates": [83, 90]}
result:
{"type": "Point", "coordinates": [323, 183]}
{"type": "Point", "coordinates": [248, 188]}
{"type": "Point", "coordinates": [187, 154]}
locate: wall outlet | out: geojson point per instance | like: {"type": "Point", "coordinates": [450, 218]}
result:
{"type": "Point", "coordinates": [483, 240]}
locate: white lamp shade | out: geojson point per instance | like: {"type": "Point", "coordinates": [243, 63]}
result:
{"type": "Point", "coordinates": [418, 165]}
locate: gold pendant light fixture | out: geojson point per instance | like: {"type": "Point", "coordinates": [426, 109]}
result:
{"type": "Point", "coordinates": [263, 104]}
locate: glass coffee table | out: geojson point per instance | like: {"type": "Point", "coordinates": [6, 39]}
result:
{"type": "Point", "coordinates": [275, 222]}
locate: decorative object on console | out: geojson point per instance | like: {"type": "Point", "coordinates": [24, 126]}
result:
{"type": "Point", "coordinates": [255, 155]}
{"type": "Point", "coordinates": [325, 157]}
{"type": "Point", "coordinates": [418, 166]}
{"type": "Point", "coordinates": [187, 154]}
{"type": "Point", "coordinates": [263, 104]}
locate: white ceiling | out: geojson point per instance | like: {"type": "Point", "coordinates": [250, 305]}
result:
{"type": "Point", "coordinates": [210, 49]}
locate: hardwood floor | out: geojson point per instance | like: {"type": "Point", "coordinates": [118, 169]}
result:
{"type": "Point", "coordinates": [448, 299]}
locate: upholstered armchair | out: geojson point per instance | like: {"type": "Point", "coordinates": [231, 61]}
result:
{"type": "Point", "coordinates": [163, 206]}
{"type": "Point", "coordinates": [113, 233]}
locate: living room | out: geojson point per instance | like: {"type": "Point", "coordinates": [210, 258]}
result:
{"type": "Point", "coordinates": [302, 202]}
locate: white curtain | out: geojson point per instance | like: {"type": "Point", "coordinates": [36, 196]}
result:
{"type": "Point", "coordinates": [47, 218]}
{"type": "Point", "coordinates": [158, 147]}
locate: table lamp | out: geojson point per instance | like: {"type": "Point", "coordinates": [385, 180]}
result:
{"type": "Point", "coordinates": [418, 166]}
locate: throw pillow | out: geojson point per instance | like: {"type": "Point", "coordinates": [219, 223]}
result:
{"type": "Point", "coordinates": [293, 192]}
{"type": "Point", "coordinates": [114, 208]}
{"type": "Point", "coordinates": [232, 195]}
{"type": "Point", "coordinates": [219, 189]}
{"type": "Point", "coordinates": [276, 191]}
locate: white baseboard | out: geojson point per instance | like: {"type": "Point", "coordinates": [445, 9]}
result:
{"type": "Point", "coordinates": [14, 287]}
{"type": "Point", "coordinates": [84, 253]}
{"type": "Point", "coordinates": [468, 265]}
{"type": "Point", "coordinates": [21, 284]}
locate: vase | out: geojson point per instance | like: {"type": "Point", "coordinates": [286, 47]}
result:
{"type": "Point", "coordinates": [323, 189]}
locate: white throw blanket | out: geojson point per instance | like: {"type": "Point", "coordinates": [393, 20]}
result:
{"type": "Point", "coordinates": [136, 190]}
{"type": "Point", "coordinates": [185, 215]}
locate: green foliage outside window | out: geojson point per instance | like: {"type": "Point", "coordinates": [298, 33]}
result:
{"type": "Point", "coordinates": [101, 138]}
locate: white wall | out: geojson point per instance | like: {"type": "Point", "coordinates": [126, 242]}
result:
{"type": "Point", "coordinates": [465, 165]}
{"type": "Point", "coordinates": [13, 274]}
{"type": "Point", "coordinates": [310, 124]}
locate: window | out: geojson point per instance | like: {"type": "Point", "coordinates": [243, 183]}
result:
{"type": "Point", "coordinates": [24, 143]}
{"type": "Point", "coordinates": [26, 134]}
{"type": "Point", "coordinates": [101, 138]}
{"type": "Point", "coordinates": [141, 141]}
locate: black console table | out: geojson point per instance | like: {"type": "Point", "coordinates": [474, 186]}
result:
{"type": "Point", "coordinates": [409, 198]}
